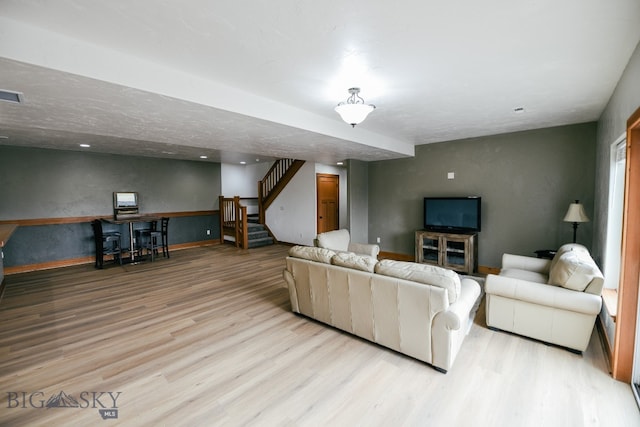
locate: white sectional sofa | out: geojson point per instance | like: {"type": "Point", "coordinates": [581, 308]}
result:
{"type": "Point", "coordinates": [422, 311]}
{"type": "Point", "coordinates": [555, 301]}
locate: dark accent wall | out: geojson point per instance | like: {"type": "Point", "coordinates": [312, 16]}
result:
{"type": "Point", "coordinates": [38, 183]}
{"type": "Point", "coordinates": [56, 242]}
{"type": "Point", "coordinates": [526, 180]}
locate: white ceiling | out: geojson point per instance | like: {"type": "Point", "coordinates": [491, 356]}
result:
{"type": "Point", "coordinates": [249, 80]}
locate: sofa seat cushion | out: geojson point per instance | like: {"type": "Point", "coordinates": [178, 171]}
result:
{"type": "Point", "coordinates": [422, 273]}
{"type": "Point", "coordinates": [574, 270]}
{"type": "Point", "coordinates": [355, 261]}
{"type": "Point", "coordinates": [530, 276]}
{"type": "Point", "coordinates": [312, 253]}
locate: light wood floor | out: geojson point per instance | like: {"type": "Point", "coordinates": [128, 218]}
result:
{"type": "Point", "coordinates": [207, 338]}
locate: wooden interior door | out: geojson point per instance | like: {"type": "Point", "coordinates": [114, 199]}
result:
{"type": "Point", "coordinates": [327, 189]}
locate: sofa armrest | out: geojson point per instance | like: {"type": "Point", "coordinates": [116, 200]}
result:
{"type": "Point", "coordinates": [449, 327]}
{"type": "Point", "coordinates": [520, 262]}
{"type": "Point", "coordinates": [365, 249]}
{"type": "Point", "coordinates": [459, 311]}
{"type": "Point", "coordinates": [291, 285]}
{"type": "Point", "coordinates": [543, 294]}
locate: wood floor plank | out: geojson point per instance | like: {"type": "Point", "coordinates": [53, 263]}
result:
{"type": "Point", "coordinates": [207, 337]}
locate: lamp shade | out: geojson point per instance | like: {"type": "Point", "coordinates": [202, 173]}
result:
{"type": "Point", "coordinates": [354, 114]}
{"type": "Point", "coordinates": [576, 213]}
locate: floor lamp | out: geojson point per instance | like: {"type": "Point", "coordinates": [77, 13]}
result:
{"type": "Point", "coordinates": [576, 214]}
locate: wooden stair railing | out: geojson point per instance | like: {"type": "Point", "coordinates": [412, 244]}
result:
{"type": "Point", "coordinates": [274, 181]}
{"type": "Point", "coordinates": [233, 221]}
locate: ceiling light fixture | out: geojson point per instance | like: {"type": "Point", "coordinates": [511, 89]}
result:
{"type": "Point", "coordinates": [203, 157]}
{"type": "Point", "coordinates": [10, 96]}
{"type": "Point", "coordinates": [354, 110]}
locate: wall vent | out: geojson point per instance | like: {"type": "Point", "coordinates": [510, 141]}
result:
{"type": "Point", "coordinates": [10, 96]}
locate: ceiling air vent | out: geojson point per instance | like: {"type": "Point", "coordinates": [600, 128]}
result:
{"type": "Point", "coordinates": [10, 96]}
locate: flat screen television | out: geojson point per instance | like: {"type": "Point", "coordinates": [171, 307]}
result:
{"type": "Point", "coordinates": [453, 214]}
{"type": "Point", "coordinates": [125, 200]}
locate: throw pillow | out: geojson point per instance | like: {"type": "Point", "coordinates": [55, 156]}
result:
{"type": "Point", "coordinates": [573, 271]}
{"type": "Point", "coordinates": [422, 273]}
{"type": "Point", "coordinates": [567, 247]}
{"type": "Point", "coordinates": [355, 261]}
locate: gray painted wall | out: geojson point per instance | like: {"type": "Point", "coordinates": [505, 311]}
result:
{"type": "Point", "coordinates": [526, 180]}
{"type": "Point", "coordinates": [40, 183]}
{"type": "Point", "coordinates": [612, 124]}
{"type": "Point", "coordinates": [358, 203]}
{"type": "Point", "coordinates": [53, 183]}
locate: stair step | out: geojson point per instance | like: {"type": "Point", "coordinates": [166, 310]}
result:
{"type": "Point", "coordinates": [254, 235]}
{"type": "Point", "coordinates": [251, 227]}
{"type": "Point", "coordinates": [256, 243]}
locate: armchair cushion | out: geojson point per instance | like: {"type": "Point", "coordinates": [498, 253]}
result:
{"type": "Point", "coordinates": [365, 249]}
{"type": "Point", "coordinates": [530, 276]}
{"type": "Point", "coordinates": [340, 240]}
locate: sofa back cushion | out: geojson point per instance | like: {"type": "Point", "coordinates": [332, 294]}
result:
{"type": "Point", "coordinates": [422, 273]}
{"type": "Point", "coordinates": [312, 253]}
{"type": "Point", "coordinates": [574, 270]}
{"type": "Point", "coordinates": [355, 261]}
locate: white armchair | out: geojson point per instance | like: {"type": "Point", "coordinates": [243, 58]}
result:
{"type": "Point", "coordinates": [340, 240]}
{"type": "Point", "coordinates": [556, 301]}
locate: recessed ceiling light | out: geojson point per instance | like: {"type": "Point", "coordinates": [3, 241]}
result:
{"type": "Point", "coordinates": [203, 157]}
{"type": "Point", "coordinates": [340, 163]}
{"type": "Point", "coordinates": [168, 152]}
{"type": "Point", "coordinates": [518, 110]}
{"type": "Point", "coordinates": [10, 96]}
{"type": "Point", "coordinates": [243, 163]}
{"type": "Point", "coordinates": [85, 145]}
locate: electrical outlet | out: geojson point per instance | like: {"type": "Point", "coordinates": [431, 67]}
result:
{"type": "Point", "coordinates": [377, 240]}
{"type": "Point", "coordinates": [208, 232]}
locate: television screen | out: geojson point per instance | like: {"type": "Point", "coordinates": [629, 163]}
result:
{"type": "Point", "coordinates": [125, 200]}
{"type": "Point", "coordinates": [452, 214]}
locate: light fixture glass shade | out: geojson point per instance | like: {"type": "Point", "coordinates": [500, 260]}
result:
{"type": "Point", "coordinates": [354, 114]}
{"type": "Point", "coordinates": [354, 110]}
{"type": "Point", "coordinates": [576, 213]}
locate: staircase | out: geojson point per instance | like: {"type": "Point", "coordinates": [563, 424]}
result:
{"type": "Point", "coordinates": [257, 235]}
{"type": "Point", "coordinates": [249, 230]}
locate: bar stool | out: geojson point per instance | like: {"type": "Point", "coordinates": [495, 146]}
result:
{"type": "Point", "coordinates": [164, 230]}
{"type": "Point", "coordinates": [106, 244]}
{"type": "Point", "coordinates": [152, 239]}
